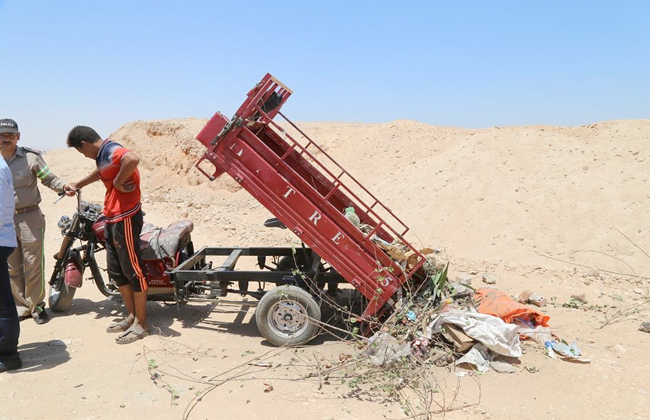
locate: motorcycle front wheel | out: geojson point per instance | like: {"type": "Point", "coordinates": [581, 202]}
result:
{"type": "Point", "coordinates": [60, 294]}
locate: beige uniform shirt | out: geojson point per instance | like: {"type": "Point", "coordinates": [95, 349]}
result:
{"type": "Point", "coordinates": [27, 166]}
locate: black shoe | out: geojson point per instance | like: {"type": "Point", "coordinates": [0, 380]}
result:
{"type": "Point", "coordinates": [10, 363]}
{"type": "Point", "coordinates": [42, 317]}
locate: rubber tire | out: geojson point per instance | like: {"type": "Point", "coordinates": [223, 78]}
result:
{"type": "Point", "coordinates": [271, 299]}
{"type": "Point", "coordinates": [60, 300]}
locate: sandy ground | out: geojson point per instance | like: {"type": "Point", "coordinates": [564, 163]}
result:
{"type": "Point", "coordinates": [556, 210]}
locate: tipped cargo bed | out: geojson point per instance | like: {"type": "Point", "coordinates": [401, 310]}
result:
{"type": "Point", "coordinates": [301, 185]}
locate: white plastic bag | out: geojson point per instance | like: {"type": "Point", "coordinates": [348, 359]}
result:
{"type": "Point", "coordinates": [497, 336]}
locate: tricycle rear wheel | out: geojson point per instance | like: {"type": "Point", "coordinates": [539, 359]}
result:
{"type": "Point", "coordinates": [288, 316]}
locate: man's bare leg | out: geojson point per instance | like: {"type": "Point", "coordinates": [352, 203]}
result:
{"type": "Point", "coordinates": [127, 296]}
{"type": "Point", "coordinates": [140, 299]}
{"type": "Point", "coordinates": [139, 329]}
{"type": "Point", "coordinates": [129, 304]}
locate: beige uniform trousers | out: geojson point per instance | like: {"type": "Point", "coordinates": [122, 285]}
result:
{"type": "Point", "coordinates": [26, 264]}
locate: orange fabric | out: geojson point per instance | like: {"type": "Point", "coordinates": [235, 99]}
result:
{"type": "Point", "coordinates": [497, 303]}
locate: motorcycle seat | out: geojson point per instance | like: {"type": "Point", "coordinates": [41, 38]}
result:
{"type": "Point", "coordinates": [157, 243]}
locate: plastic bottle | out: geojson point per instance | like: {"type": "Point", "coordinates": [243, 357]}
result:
{"type": "Point", "coordinates": [352, 216]}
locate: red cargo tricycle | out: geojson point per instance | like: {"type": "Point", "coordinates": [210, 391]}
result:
{"type": "Point", "coordinates": [309, 196]}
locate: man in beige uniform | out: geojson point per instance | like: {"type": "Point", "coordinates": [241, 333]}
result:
{"type": "Point", "coordinates": [26, 268]}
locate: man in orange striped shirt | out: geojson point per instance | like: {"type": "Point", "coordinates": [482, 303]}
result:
{"type": "Point", "coordinates": [117, 167]}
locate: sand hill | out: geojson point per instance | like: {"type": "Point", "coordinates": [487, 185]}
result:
{"type": "Point", "coordinates": [506, 194]}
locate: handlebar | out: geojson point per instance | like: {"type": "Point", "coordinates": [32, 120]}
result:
{"type": "Point", "coordinates": [62, 194]}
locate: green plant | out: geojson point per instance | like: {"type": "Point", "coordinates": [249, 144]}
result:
{"type": "Point", "coordinates": [438, 282]}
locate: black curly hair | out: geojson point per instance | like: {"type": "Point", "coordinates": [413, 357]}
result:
{"type": "Point", "coordinates": [82, 133]}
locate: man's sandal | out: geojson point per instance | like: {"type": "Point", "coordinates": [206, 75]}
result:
{"type": "Point", "coordinates": [119, 327]}
{"type": "Point", "coordinates": [131, 336]}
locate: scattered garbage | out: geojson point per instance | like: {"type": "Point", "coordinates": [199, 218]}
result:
{"type": "Point", "coordinates": [484, 360]}
{"type": "Point", "coordinates": [462, 342]}
{"type": "Point", "coordinates": [539, 334]}
{"type": "Point", "coordinates": [565, 351]}
{"type": "Point", "coordinates": [495, 334]}
{"type": "Point", "coordinates": [478, 356]}
{"type": "Point", "coordinates": [383, 349]}
{"type": "Point", "coordinates": [448, 322]}
{"type": "Point", "coordinates": [420, 346]}
{"type": "Point", "coordinates": [497, 303]}
{"type": "Point", "coordinates": [352, 216]}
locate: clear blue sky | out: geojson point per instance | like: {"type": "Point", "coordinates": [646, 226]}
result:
{"type": "Point", "coordinates": [453, 63]}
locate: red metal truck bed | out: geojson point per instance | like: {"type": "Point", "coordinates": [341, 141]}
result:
{"type": "Point", "coordinates": [307, 194]}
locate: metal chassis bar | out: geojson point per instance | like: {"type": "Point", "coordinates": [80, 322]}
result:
{"type": "Point", "coordinates": [186, 272]}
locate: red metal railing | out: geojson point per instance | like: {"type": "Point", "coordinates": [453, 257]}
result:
{"type": "Point", "coordinates": [304, 193]}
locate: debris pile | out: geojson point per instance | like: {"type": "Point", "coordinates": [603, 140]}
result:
{"type": "Point", "coordinates": [444, 322]}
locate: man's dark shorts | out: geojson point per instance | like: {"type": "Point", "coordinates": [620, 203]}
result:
{"type": "Point", "coordinates": [123, 252]}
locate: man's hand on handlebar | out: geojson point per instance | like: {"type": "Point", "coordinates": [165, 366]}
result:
{"type": "Point", "coordinates": [70, 189]}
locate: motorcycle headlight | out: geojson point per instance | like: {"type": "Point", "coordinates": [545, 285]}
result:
{"type": "Point", "coordinates": [64, 224]}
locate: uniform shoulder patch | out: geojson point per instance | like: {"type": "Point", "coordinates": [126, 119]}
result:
{"type": "Point", "coordinates": [29, 149]}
